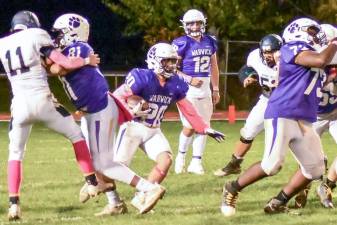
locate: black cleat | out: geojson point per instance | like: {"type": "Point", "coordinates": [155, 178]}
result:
{"type": "Point", "coordinates": [302, 197]}
{"type": "Point", "coordinates": [275, 206]}
{"type": "Point", "coordinates": [232, 167]}
{"type": "Point", "coordinates": [229, 199]}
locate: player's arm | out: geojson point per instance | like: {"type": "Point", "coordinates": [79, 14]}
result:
{"type": "Point", "coordinates": [122, 93]}
{"type": "Point", "coordinates": [197, 122]}
{"type": "Point", "coordinates": [315, 59]}
{"type": "Point", "coordinates": [193, 81]}
{"type": "Point", "coordinates": [67, 63]}
{"type": "Point", "coordinates": [215, 79]}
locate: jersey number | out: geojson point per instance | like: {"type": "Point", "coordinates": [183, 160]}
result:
{"type": "Point", "coordinates": [22, 68]}
{"type": "Point", "coordinates": [157, 113]}
{"type": "Point", "coordinates": [201, 64]}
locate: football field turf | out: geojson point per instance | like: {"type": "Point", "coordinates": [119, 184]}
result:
{"type": "Point", "coordinates": [52, 180]}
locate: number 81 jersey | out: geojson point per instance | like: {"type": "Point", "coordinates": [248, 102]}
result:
{"type": "Point", "coordinates": [21, 58]}
{"type": "Point", "coordinates": [144, 83]}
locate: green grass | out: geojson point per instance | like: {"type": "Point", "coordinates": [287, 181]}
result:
{"type": "Point", "coordinates": [52, 180]}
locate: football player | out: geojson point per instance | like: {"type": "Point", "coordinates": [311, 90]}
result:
{"type": "Point", "coordinates": [261, 67]}
{"type": "Point", "coordinates": [198, 63]}
{"type": "Point", "coordinates": [327, 121]}
{"type": "Point", "coordinates": [21, 54]}
{"type": "Point", "coordinates": [160, 87]}
{"type": "Point", "coordinates": [89, 92]}
{"type": "Point", "coordinates": [289, 115]}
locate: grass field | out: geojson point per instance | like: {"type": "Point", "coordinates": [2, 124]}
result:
{"type": "Point", "coordinates": [52, 181]}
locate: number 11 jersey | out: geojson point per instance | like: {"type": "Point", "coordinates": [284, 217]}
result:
{"type": "Point", "coordinates": [21, 58]}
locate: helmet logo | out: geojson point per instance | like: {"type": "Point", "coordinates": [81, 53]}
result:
{"type": "Point", "coordinates": [74, 22]}
{"type": "Point", "coordinates": [293, 27]}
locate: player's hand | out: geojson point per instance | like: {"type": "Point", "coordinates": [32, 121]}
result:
{"type": "Point", "coordinates": [93, 59]}
{"type": "Point", "coordinates": [215, 97]}
{"type": "Point", "coordinates": [248, 81]}
{"type": "Point", "coordinates": [139, 111]}
{"type": "Point", "coordinates": [195, 82]}
{"type": "Point", "coordinates": [218, 136]}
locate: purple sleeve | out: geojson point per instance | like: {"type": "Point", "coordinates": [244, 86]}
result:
{"type": "Point", "coordinates": [214, 44]}
{"type": "Point", "coordinates": [134, 82]}
{"type": "Point", "coordinates": [290, 51]}
{"type": "Point", "coordinates": [180, 46]}
{"type": "Point", "coordinates": [182, 88]}
{"type": "Point", "coordinates": [78, 50]}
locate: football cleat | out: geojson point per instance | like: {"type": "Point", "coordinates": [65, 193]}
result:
{"type": "Point", "coordinates": [179, 165]}
{"type": "Point", "coordinates": [301, 197]}
{"type": "Point", "coordinates": [228, 203]}
{"type": "Point", "coordinates": [232, 167]}
{"type": "Point", "coordinates": [276, 206]}
{"type": "Point", "coordinates": [88, 190]}
{"type": "Point", "coordinates": [110, 210]}
{"type": "Point", "coordinates": [196, 167]}
{"type": "Point", "coordinates": [145, 201]}
{"type": "Point", "coordinates": [325, 196]}
{"type": "Point", "coordinates": [14, 212]}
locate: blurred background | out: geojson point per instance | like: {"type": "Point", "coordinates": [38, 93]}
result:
{"type": "Point", "coordinates": [121, 32]}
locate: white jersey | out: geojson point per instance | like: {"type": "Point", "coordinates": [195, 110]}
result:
{"type": "Point", "coordinates": [21, 58]}
{"type": "Point", "coordinates": [267, 76]}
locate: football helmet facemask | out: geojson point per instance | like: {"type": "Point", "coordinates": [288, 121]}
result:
{"type": "Point", "coordinates": [70, 28]}
{"type": "Point", "coordinates": [269, 44]}
{"type": "Point", "coordinates": [194, 23]}
{"type": "Point", "coordinates": [24, 20]}
{"type": "Point", "coordinates": [162, 59]}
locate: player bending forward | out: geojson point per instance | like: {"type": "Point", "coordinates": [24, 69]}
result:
{"type": "Point", "coordinates": [159, 86]}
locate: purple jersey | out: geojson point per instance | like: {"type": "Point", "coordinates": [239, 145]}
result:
{"type": "Point", "coordinates": [296, 95]}
{"type": "Point", "coordinates": [328, 101]}
{"type": "Point", "coordinates": [86, 87]}
{"type": "Point", "coordinates": [196, 56]}
{"type": "Point", "coordinates": [144, 83]}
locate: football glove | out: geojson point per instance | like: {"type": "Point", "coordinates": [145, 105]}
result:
{"type": "Point", "coordinates": [218, 136]}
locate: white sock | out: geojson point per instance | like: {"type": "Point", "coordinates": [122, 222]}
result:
{"type": "Point", "coordinates": [184, 143]}
{"type": "Point", "coordinates": [113, 197]}
{"type": "Point", "coordinates": [199, 143]}
{"type": "Point", "coordinates": [120, 172]}
{"type": "Point", "coordinates": [144, 185]}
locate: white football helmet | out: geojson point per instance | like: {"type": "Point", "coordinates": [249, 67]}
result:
{"type": "Point", "coordinates": [190, 16]}
{"type": "Point", "coordinates": [71, 28]}
{"type": "Point", "coordinates": [156, 56]}
{"type": "Point", "coordinates": [306, 30]}
{"type": "Point", "coordinates": [330, 31]}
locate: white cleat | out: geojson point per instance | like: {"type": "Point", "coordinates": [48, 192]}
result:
{"type": "Point", "coordinates": [89, 191]}
{"type": "Point", "coordinates": [110, 210]}
{"type": "Point", "coordinates": [145, 201]}
{"type": "Point", "coordinates": [196, 167]}
{"type": "Point", "coordinates": [227, 210]}
{"type": "Point", "coordinates": [14, 212]}
{"type": "Point", "coordinates": [179, 165]}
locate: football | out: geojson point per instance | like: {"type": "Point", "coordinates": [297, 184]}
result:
{"type": "Point", "coordinates": [133, 100]}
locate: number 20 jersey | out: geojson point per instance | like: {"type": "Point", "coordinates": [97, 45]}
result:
{"type": "Point", "coordinates": [296, 94]}
{"type": "Point", "coordinates": [144, 83]}
{"type": "Point", "coordinates": [21, 58]}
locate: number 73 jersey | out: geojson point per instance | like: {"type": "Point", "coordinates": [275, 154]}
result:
{"type": "Point", "coordinates": [144, 83]}
{"type": "Point", "coordinates": [21, 59]}
{"type": "Point", "coordinates": [297, 94]}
